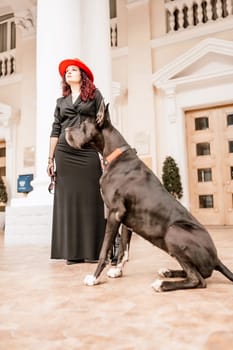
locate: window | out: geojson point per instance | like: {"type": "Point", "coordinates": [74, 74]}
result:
{"type": "Point", "coordinates": [203, 149]}
{"type": "Point", "coordinates": [230, 143]}
{"type": "Point", "coordinates": [2, 167]}
{"type": "Point", "coordinates": [112, 9]}
{"type": "Point", "coordinates": [201, 123]}
{"type": "Point", "coordinates": [7, 33]}
{"type": "Point", "coordinates": [2, 152]}
{"type": "Point", "coordinates": [2, 171]}
{"type": "Point", "coordinates": [206, 201]}
{"type": "Point", "coordinates": [230, 119]}
{"type": "Point", "coordinates": [204, 175]}
{"type": "Point", "coordinates": [231, 170]}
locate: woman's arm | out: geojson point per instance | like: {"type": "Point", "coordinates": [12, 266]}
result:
{"type": "Point", "coordinates": [52, 146]}
{"type": "Point", "coordinates": [56, 130]}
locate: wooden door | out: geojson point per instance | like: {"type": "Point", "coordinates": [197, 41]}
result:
{"type": "Point", "coordinates": [209, 137]}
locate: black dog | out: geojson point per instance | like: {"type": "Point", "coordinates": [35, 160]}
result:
{"type": "Point", "coordinates": [135, 197]}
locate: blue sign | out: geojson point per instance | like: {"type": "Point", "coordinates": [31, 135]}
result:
{"type": "Point", "coordinates": [24, 183]}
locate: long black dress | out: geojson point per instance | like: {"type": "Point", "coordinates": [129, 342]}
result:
{"type": "Point", "coordinates": [78, 211]}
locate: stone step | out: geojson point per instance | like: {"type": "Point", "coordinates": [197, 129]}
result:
{"type": "Point", "coordinates": [28, 225]}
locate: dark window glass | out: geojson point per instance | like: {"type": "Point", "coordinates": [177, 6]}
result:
{"type": "Point", "coordinates": [3, 37]}
{"type": "Point", "coordinates": [206, 201]}
{"type": "Point", "coordinates": [203, 149]}
{"type": "Point", "coordinates": [230, 119]}
{"type": "Point", "coordinates": [201, 123]}
{"type": "Point", "coordinates": [7, 32]}
{"type": "Point", "coordinates": [2, 208]}
{"type": "Point", "coordinates": [112, 9]}
{"type": "Point", "coordinates": [13, 36]}
{"type": "Point", "coordinates": [204, 175]}
{"type": "Point", "coordinates": [231, 169]}
{"type": "Point", "coordinates": [2, 171]}
{"type": "Point", "coordinates": [2, 152]}
{"type": "Point", "coordinates": [230, 146]}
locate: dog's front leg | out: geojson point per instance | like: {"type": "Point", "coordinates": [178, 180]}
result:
{"type": "Point", "coordinates": [123, 255]}
{"type": "Point", "coordinates": [112, 227]}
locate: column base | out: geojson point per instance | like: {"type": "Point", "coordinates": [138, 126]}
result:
{"type": "Point", "coordinates": [28, 221]}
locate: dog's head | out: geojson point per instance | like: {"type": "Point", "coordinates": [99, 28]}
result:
{"type": "Point", "coordinates": [89, 130]}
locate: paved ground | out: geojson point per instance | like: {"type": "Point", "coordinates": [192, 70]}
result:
{"type": "Point", "coordinates": [45, 306]}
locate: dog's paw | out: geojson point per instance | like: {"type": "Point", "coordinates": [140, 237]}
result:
{"type": "Point", "coordinates": [90, 280]}
{"type": "Point", "coordinates": [164, 272]}
{"type": "Point", "coordinates": [157, 285]}
{"type": "Point", "coordinates": [114, 272]}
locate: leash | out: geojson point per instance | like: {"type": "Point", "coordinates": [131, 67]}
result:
{"type": "Point", "coordinates": [115, 154]}
{"type": "Point", "coordinates": [52, 184]}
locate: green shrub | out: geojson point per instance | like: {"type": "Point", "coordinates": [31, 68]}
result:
{"type": "Point", "coordinates": [3, 192]}
{"type": "Point", "coordinates": [171, 177]}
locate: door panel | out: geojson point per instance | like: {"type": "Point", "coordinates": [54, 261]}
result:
{"type": "Point", "coordinates": [209, 136]}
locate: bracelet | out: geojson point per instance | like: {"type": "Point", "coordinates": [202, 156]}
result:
{"type": "Point", "coordinates": [50, 158]}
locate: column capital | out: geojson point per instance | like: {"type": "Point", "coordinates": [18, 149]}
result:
{"type": "Point", "coordinates": [26, 21]}
{"type": "Point", "coordinates": [169, 90]}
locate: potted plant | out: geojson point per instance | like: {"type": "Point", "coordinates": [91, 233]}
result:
{"type": "Point", "coordinates": [171, 177]}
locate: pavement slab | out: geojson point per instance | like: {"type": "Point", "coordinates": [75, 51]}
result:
{"type": "Point", "coordinates": [44, 304]}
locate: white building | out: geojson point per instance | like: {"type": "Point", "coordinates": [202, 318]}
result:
{"type": "Point", "coordinates": [166, 67]}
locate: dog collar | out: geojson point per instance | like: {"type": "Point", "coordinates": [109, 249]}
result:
{"type": "Point", "coordinates": [115, 154]}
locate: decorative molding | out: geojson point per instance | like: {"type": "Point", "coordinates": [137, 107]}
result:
{"type": "Point", "coordinates": [5, 114]}
{"type": "Point", "coordinates": [171, 104]}
{"type": "Point", "coordinates": [135, 3]}
{"type": "Point", "coordinates": [26, 21]}
{"type": "Point", "coordinates": [163, 78]}
{"type": "Point", "coordinates": [116, 89]}
{"type": "Point", "coordinates": [119, 52]}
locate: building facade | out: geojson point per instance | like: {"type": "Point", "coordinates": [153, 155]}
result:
{"type": "Point", "coordinates": [166, 67]}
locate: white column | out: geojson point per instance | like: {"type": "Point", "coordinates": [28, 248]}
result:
{"type": "Point", "coordinates": [96, 47]}
{"type": "Point", "coordinates": [141, 125]}
{"type": "Point", "coordinates": [58, 37]}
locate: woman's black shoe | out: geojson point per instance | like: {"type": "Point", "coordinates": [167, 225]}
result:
{"type": "Point", "coordinates": [71, 262]}
{"type": "Point", "coordinates": [91, 261]}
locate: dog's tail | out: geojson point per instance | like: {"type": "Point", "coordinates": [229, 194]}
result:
{"type": "Point", "coordinates": [224, 270]}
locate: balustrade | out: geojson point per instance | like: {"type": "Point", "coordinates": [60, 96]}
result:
{"type": "Point", "coordinates": [113, 32]}
{"type": "Point", "coordinates": [183, 14]}
{"type": "Point", "coordinates": [7, 63]}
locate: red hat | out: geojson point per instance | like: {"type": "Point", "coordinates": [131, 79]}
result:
{"type": "Point", "coordinates": [75, 62]}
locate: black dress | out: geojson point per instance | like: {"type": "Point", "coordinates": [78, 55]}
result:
{"type": "Point", "coordinates": [78, 211]}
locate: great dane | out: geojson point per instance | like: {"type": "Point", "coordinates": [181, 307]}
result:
{"type": "Point", "coordinates": [136, 198]}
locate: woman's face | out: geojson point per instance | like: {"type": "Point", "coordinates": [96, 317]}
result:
{"type": "Point", "coordinates": [73, 75]}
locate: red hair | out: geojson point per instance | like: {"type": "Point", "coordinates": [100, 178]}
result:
{"type": "Point", "coordinates": [87, 87]}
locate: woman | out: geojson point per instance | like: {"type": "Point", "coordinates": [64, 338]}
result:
{"type": "Point", "coordinates": [78, 212]}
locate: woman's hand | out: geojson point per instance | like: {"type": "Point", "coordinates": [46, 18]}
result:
{"type": "Point", "coordinates": [50, 167]}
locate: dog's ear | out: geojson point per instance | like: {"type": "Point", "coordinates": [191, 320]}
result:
{"type": "Point", "coordinates": [100, 114]}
